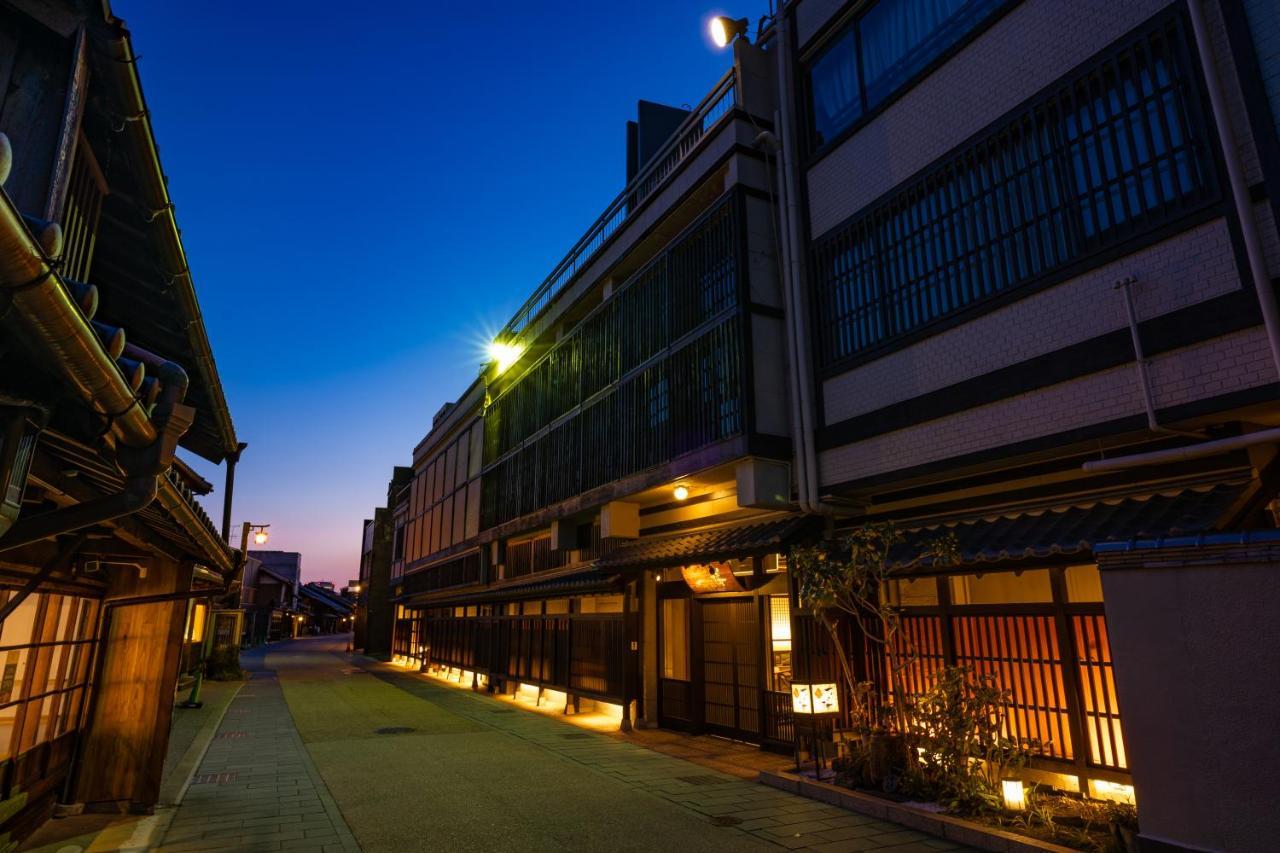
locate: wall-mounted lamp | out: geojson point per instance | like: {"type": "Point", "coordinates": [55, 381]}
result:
{"type": "Point", "coordinates": [681, 492]}
{"type": "Point", "coordinates": [503, 354]}
{"type": "Point", "coordinates": [724, 29]}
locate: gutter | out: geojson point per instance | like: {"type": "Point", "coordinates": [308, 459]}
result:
{"type": "Point", "coordinates": [49, 316]}
{"type": "Point", "coordinates": [196, 525]}
{"type": "Point", "coordinates": [154, 192]}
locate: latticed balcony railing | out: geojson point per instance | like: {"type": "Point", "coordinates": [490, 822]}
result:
{"type": "Point", "coordinates": [655, 372]}
{"type": "Point", "coordinates": [705, 116]}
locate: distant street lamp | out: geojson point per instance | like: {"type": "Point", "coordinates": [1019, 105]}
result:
{"type": "Point", "coordinates": [260, 536]}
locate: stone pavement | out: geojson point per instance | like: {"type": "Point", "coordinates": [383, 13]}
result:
{"type": "Point", "coordinates": [257, 788]}
{"type": "Point", "coordinates": [324, 751]}
{"type": "Point", "coordinates": [741, 807]}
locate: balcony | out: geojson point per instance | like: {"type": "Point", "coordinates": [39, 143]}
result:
{"type": "Point", "coordinates": [689, 138]}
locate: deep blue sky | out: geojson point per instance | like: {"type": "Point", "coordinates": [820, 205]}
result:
{"type": "Point", "coordinates": [364, 189]}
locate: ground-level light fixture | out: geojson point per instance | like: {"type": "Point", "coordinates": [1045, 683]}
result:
{"type": "Point", "coordinates": [503, 354]}
{"type": "Point", "coordinates": [725, 29]}
{"type": "Point", "coordinates": [1015, 796]}
{"type": "Point", "coordinates": [681, 492]}
{"type": "Point", "coordinates": [814, 698]}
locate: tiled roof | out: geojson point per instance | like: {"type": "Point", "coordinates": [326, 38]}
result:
{"type": "Point", "coordinates": [585, 581]}
{"type": "Point", "coordinates": [1075, 529]}
{"type": "Point", "coordinates": [730, 541]}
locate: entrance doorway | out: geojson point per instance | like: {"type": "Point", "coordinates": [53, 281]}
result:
{"type": "Point", "coordinates": [731, 667]}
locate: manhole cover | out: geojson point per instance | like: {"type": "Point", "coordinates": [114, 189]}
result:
{"type": "Point", "coordinates": [393, 730]}
{"type": "Point", "coordinates": [725, 820]}
{"type": "Point", "coordinates": [576, 736]}
{"type": "Point", "coordinates": [214, 779]}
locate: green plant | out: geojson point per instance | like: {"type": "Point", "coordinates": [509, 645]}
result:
{"type": "Point", "coordinates": [223, 664]}
{"type": "Point", "coordinates": [958, 732]}
{"type": "Point", "coordinates": [848, 577]}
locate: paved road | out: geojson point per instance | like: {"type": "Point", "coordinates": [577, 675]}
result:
{"type": "Point", "coordinates": [314, 768]}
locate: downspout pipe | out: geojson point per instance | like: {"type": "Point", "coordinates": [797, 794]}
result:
{"type": "Point", "coordinates": [138, 493]}
{"type": "Point", "coordinates": [1236, 180]}
{"type": "Point", "coordinates": [792, 284]}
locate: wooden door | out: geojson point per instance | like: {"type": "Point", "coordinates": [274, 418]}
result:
{"type": "Point", "coordinates": [731, 667]}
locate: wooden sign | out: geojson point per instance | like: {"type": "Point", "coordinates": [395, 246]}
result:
{"type": "Point", "coordinates": [712, 577]}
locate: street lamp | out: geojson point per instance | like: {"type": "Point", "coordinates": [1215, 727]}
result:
{"type": "Point", "coordinates": [260, 535]}
{"type": "Point", "coordinates": [503, 354]}
{"type": "Point", "coordinates": [725, 29]}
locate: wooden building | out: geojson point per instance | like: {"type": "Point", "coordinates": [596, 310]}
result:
{"type": "Point", "coordinates": [107, 562]}
{"type": "Point", "coordinates": [600, 516]}
{"type": "Point", "coordinates": [1003, 269]}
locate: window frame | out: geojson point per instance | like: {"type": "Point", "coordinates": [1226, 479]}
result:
{"type": "Point", "coordinates": [1159, 225]}
{"type": "Point", "coordinates": [824, 41]}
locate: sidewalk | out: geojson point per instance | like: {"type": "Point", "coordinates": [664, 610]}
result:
{"type": "Point", "coordinates": [189, 733]}
{"type": "Point", "coordinates": [256, 788]}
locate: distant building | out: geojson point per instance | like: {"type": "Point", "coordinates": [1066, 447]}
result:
{"type": "Point", "coordinates": [381, 564]}
{"type": "Point", "coordinates": [323, 611]}
{"type": "Point", "coordinates": [270, 596]}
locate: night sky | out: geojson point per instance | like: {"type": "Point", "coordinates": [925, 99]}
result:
{"type": "Point", "coordinates": [365, 190]}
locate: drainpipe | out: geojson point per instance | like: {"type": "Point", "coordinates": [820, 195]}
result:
{"type": "Point", "coordinates": [1235, 177]}
{"type": "Point", "coordinates": [1253, 252]}
{"type": "Point", "coordinates": [138, 493]}
{"type": "Point", "coordinates": [792, 252]}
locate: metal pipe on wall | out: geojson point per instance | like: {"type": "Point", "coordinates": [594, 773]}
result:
{"type": "Point", "coordinates": [1180, 454]}
{"type": "Point", "coordinates": [1236, 180]}
{"type": "Point", "coordinates": [792, 280]}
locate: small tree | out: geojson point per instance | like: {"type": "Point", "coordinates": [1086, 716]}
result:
{"type": "Point", "coordinates": [849, 576]}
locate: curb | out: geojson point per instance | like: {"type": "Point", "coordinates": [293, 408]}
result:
{"type": "Point", "coordinates": [150, 831]}
{"type": "Point", "coordinates": [940, 825]}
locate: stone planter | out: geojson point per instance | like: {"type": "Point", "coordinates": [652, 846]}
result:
{"type": "Point", "coordinates": [943, 826]}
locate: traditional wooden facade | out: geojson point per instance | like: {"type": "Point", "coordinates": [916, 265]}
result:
{"type": "Point", "coordinates": [1000, 268]}
{"type": "Point", "coordinates": [639, 434]}
{"type": "Point", "coordinates": [107, 562]}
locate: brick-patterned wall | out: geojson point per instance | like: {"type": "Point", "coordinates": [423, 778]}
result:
{"type": "Point", "coordinates": [1229, 363]}
{"type": "Point", "coordinates": [1189, 268]}
{"type": "Point", "coordinates": [1032, 46]}
{"type": "Point", "coordinates": [811, 15]}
